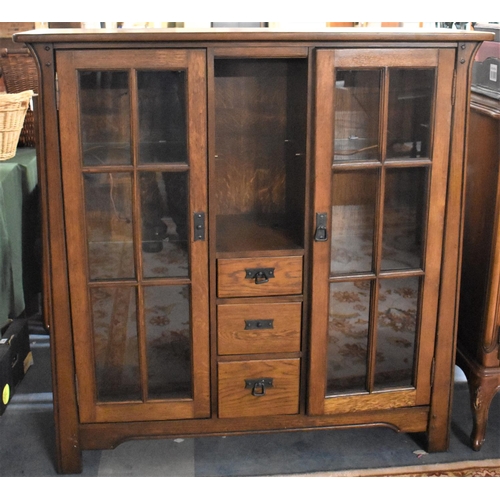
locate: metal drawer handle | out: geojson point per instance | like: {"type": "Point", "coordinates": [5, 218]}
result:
{"type": "Point", "coordinates": [258, 386]}
{"type": "Point", "coordinates": [260, 275]}
{"type": "Point", "coordinates": [259, 324]}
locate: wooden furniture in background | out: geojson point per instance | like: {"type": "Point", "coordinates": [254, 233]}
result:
{"type": "Point", "coordinates": [479, 322]}
{"type": "Point", "coordinates": [478, 351]}
{"type": "Point", "coordinates": [251, 231]}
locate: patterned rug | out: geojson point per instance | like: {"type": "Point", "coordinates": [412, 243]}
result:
{"type": "Point", "coordinates": [484, 468]}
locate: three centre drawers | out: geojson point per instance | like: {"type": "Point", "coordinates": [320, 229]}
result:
{"type": "Point", "coordinates": [249, 329]}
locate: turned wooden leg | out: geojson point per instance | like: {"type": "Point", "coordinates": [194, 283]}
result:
{"type": "Point", "coordinates": [481, 392]}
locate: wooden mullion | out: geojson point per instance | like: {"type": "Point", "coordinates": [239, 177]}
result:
{"type": "Point", "coordinates": [403, 273]}
{"type": "Point", "coordinates": [344, 278]}
{"type": "Point", "coordinates": [163, 167]}
{"type": "Point", "coordinates": [136, 205]}
{"type": "Point", "coordinates": [359, 165]}
{"type": "Point", "coordinates": [137, 231]}
{"type": "Point", "coordinates": [141, 340]}
{"type": "Point", "coordinates": [384, 115]}
{"type": "Point", "coordinates": [378, 232]}
{"type": "Point", "coordinates": [372, 336]}
{"type": "Point", "coordinates": [108, 169]}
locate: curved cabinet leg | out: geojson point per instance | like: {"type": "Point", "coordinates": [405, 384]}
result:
{"type": "Point", "coordinates": [482, 391]}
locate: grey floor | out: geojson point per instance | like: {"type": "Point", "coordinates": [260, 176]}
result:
{"type": "Point", "coordinates": [27, 442]}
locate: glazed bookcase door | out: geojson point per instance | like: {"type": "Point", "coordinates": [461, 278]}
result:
{"type": "Point", "coordinates": [382, 136]}
{"type": "Point", "coordinates": [134, 174]}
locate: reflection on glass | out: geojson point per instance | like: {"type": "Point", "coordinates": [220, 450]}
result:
{"type": "Point", "coordinates": [115, 344]}
{"type": "Point", "coordinates": [162, 116]}
{"type": "Point", "coordinates": [410, 108]}
{"type": "Point", "coordinates": [357, 102]}
{"type": "Point", "coordinates": [349, 314]}
{"type": "Point", "coordinates": [404, 218]}
{"type": "Point", "coordinates": [168, 341]}
{"type": "Point", "coordinates": [105, 117]}
{"type": "Point", "coordinates": [164, 211]}
{"type": "Point", "coordinates": [108, 215]}
{"type": "Point", "coordinates": [354, 196]}
{"type": "Point", "coordinates": [397, 332]}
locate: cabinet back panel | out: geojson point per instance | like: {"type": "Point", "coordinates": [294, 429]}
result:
{"type": "Point", "coordinates": [252, 125]}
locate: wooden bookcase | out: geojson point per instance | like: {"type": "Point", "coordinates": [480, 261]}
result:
{"type": "Point", "coordinates": [251, 231]}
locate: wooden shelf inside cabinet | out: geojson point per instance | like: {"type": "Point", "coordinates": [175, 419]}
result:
{"type": "Point", "coordinates": [248, 235]}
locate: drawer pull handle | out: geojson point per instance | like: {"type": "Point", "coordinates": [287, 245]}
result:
{"type": "Point", "coordinates": [260, 275]}
{"type": "Point", "coordinates": [258, 386]}
{"type": "Point", "coordinates": [259, 324]}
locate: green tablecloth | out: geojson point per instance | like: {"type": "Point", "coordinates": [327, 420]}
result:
{"type": "Point", "coordinates": [18, 180]}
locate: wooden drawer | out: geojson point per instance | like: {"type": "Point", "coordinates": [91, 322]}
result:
{"type": "Point", "coordinates": [284, 278]}
{"type": "Point", "coordinates": [259, 328]}
{"type": "Point", "coordinates": [236, 400]}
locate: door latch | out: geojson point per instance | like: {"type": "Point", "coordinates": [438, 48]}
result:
{"type": "Point", "coordinates": [199, 226]}
{"type": "Point", "coordinates": [321, 222]}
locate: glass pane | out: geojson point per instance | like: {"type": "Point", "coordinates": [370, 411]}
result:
{"type": "Point", "coordinates": [404, 218]}
{"type": "Point", "coordinates": [162, 116]}
{"type": "Point", "coordinates": [397, 332]}
{"type": "Point", "coordinates": [105, 117]}
{"type": "Point", "coordinates": [108, 215]}
{"type": "Point", "coordinates": [115, 344]}
{"type": "Point", "coordinates": [357, 102]}
{"type": "Point", "coordinates": [168, 338]}
{"type": "Point", "coordinates": [354, 196]}
{"type": "Point", "coordinates": [349, 315]}
{"type": "Point", "coordinates": [164, 204]}
{"type": "Point", "coordinates": [411, 94]}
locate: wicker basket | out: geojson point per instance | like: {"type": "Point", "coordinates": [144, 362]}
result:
{"type": "Point", "coordinates": [13, 109]}
{"type": "Point", "coordinates": [20, 73]}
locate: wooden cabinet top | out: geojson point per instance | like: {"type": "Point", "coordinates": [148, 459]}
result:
{"type": "Point", "coordinates": [212, 35]}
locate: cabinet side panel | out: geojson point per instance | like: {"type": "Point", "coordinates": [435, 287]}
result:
{"type": "Point", "coordinates": [439, 422]}
{"type": "Point", "coordinates": [63, 371]}
{"type": "Point", "coordinates": [480, 216]}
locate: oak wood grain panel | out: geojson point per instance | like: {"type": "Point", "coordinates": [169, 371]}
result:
{"type": "Point", "coordinates": [144, 412]}
{"type": "Point", "coordinates": [101, 436]}
{"type": "Point", "coordinates": [250, 132]}
{"type": "Point", "coordinates": [369, 402]}
{"type": "Point", "coordinates": [247, 233]}
{"type": "Point", "coordinates": [124, 59]}
{"type": "Point", "coordinates": [284, 336]}
{"type": "Point", "coordinates": [281, 399]}
{"type": "Point", "coordinates": [232, 281]}
{"type": "Point", "coordinates": [375, 58]}
{"type": "Point", "coordinates": [260, 52]}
